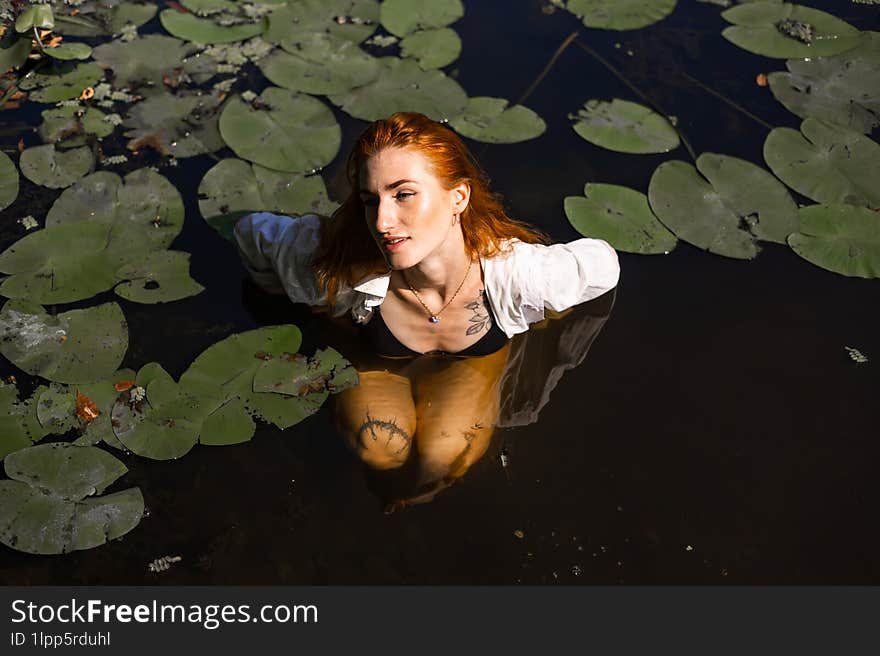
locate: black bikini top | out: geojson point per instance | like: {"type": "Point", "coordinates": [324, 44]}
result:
{"type": "Point", "coordinates": [384, 343]}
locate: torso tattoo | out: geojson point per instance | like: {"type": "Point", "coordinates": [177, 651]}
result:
{"type": "Point", "coordinates": [481, 320]}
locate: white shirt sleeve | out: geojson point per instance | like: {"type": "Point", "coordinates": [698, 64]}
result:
{"type": "Point", "coordinates": [277, 251]}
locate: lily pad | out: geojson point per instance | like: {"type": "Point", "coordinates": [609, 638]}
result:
{"type": "Point", "coordinates": [434, 48]}
{"type": "Point", "coordinates": [37, 16]}
{"type": "Point", "coordinates": [354, 20]}
{"type": "Point", "coordinates": [320, 64]}
{"type": "Point", "coordinates": [56, 409]}
{"type": "Point", "coordinates": [103, 394]}
{"type": "Point", "coordinates": [841, 238]}
{"type": "Point", "coordinates": [68, 51]}
{"type": "Point", "coordinates": [231, 423]}
{"type": "Point", "coordinates": [625, 127]}
{"type": "Point", "coordinates": [297, 375]}
{"type": "Point", "coordinates": [621, 216]}
{"type": "Point", "coordinates": [737, 204]}
{"type": "Point", "coordinates": [101, 17]}
{"type": "Point", "coordinates": [403, 86]}
{"type": "Point", "coordinates": [70, 126]}
{"type": "Point", "coordinates": [761, 28]}
{"type": "Point", "coordinates": [19, 426]}
{"type": "Point", "coordinates": [842, 89]}
{"type": "Point", "coordinates": [237, 187]}
{"type": "Point", "coordinates": [61, 82]}
{"type": "Point", "coordinates": [491, 120]}
{"type": "Point", "coordinates": [282, 130]}
{"type": "Point", "coordinates": [14, 50]}
{"type": "Point", "coordinates": [403, 17]}
{"type": "Point", "coordinates": [826, 162]}
{"type": "Point", "coordinates": [180, 126]}
{"type": "Point", "coordinates": [146, 59]}
{"type": "Point", "coordinates": [204, 30]}
{"type": "Point", "coordinates": [620, 14]}
{"type": "Point", "coordinates": [78, 346]}
{"type": "Point", "coordinates": [46, 166]}
{"type": "Point", "coordinates": [145, 203]}
{"type": "Point", "coordinates": [44, 509]}
{"type": "Point", "coordinates": [159, 277]}
{"type": "Point", "coordinates": [8, 181]}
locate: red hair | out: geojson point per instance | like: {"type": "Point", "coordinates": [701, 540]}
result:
{"type": "Point", "coordinates": [347, 251]}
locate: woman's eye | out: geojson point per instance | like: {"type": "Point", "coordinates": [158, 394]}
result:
{"type": "Point", "coordinates": [403, 195]}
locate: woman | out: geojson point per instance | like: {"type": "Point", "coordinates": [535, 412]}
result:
{"type": "Point", "coordinates": [426, 262]}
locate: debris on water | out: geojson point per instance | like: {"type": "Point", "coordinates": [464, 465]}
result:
{"type": "Point", "coordinates": [164, 563]}
{"type": "Point", "coordinates": [856, 355]}
{"type": "Point", "coordinates": [248, 96]}
{"type": "Point", "coordinates": [519, 534]}
{"type": "Point", "coordinates": [129, 32]}
{"type": "Point", "coordinates": [381, 41]}
{"type": "Point", "coordinates": [797, 30]}
{"type": "Point", "coordinates": [576, 570]}
{"type": "Point", "coordinates": [28, 222]}
{"type": "Point", "coordinates": [762, 80]}
{"type": "Point", "coordinates": [138, 394]}
{"type": "Point", "coordinates": [689, 548]}
{"type": "Point", "coordinates": [619, 508]}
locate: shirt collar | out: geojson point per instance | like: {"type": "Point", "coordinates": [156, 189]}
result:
{"type": "Point", "coordinates": [374, 285]}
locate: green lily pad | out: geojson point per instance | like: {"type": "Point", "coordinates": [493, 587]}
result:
{"type": "Point", "coordinates": [491, 120]}
{"type": "Point", "coordinates": [403, 17]}
{"type": "Point", "coordinates": [8, 181]}
{"type": "Point", "coordinates": [180, 126]}
{"type": "Point", "coordinates": [19, 426]}
{"type": "Point", "coordinates": [294, 21]}
{"type": "Point", "coordinates": [842, 89]}
{"type": "Point", "coordinates": [146, 204]}
{"type": "Point", "coordinates": [46, 166]}
{"type": "Point", "coordinates": [64, 81]}
{"type": "Point", "coordinates": [320, 64]}
{"type": "Point", "coordinates": [235, 187]}
{"type": "Point", "coordinates": [44, 509]}
{"type": "Point", "coordinates": [760, 27]}
{"type": "Point", "coordinates": [826, 162]}
{"type": "Point", "coordinates": [67, 51]}
{"type": "Point", "coordinates": [736, 205]}
{"type": "Point", "coordinates": [150, 372]}
{"type": "Point", "coordinates": [14, 50]}
{"type": "Point", "coordinates": [620, 14]}
{"type": "Point", "coordinates": [101, 17]}
{"type": "Point", "coordinates": [35, 16]}
{"type": "Point", "coordinates": [159, 277]}
{"type": "Point", "coordinates": [841, 238]}
{"type": "Point", "coordinates": [69, 126]}
{"type": "Point", "coordinates": [297, 375]}
{"type": "Point", "coordinates": [143, 60]}
{"type": "Point", "coordinates": [625, 127]}
{"type": "Point", "coordinates": [103, 394]}
{"type": "Point", "coordinates": [302, 131]}
{"type": "Point", "coordinates": [434, 48]}
{"type": "Point", "coordinates": [56, 409]}
{"type": "Point", "coordinates": [231, 423]}
{"type": "Point", "coordinates": [205, 30]}
{"type": "Point", "coordinates": [78, 346]}
{"type": "Point", "coordinates": [402, 86]}
{"type": "Point", "coordinates": [621, 216]}
{"type": "Point", "coordinates": [163, 426]}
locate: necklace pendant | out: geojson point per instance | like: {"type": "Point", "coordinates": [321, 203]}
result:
{"type": "Point", "coordinates": [434, 319]}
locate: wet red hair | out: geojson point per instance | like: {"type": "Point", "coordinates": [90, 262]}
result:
{"type": "Point", "coordinates": [347, 251]}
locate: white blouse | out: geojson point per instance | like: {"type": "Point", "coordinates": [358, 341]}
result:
{"type": "Point", "coordinates": [520, 283]}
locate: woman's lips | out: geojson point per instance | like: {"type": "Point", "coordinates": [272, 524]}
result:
{"type": "Point", "coordinates": [394, 243]}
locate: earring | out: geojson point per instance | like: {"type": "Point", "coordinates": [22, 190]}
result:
{"type": "Point", "coordinates": [454, 219]}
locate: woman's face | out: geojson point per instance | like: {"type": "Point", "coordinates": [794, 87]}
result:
{"type": "Point", "coordinates": [407, 209]}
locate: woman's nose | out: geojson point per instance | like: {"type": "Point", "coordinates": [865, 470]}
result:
{"type": "Point", "coordinates": [385, 219]}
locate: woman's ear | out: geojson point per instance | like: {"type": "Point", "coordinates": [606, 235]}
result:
{"type": "Point", "coordinates": [461, 196]}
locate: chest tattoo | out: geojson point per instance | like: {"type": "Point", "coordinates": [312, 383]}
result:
{"type": "Point", "coordinates": [481, 319]}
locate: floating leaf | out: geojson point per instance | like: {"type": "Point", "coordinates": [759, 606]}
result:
{"type": "Point", "coordinates": [320, 64]}
{"type": "Point", "coordinates": [302, 131]}
{"type": "Point", "coordinates": [234, 187]}
{"type": "Point", "coordinates": [433, 48]}
{"type": "Point", "coordinates": [19, 426]}
{"type": "Point", "coordinates": [403, 86]}
{"type": "Point", "coordinates": [35, 16]}
{"type": "Point", "coordinates": [145, 203]}
{"type": "Point", "coordinates": [8, 181]}
{"type": "Point", "coordinates": [620, 14]}
{"type": "Point", "coordinates": [759, 27]}
{"type": "Point", "coordinates": [46, 166]}
{"type": "Point", "coordinates": [56, 409]}
{"type": "Point", "coordinates": [621, 216]}
{"type": "Point", "coordinates": [44, 509]}
{"type": "Point", "coordinates": [402, 17]}
{"type": "Point", "coordinates": [231, 423]}
{"type": "Point", "coordinates": [353, 20]}
{"type": "Point", "coordinates": [491, 120]}
{"type": "Point", "coordinates": [841, 238]}
{"type": "Point", "coordinates": [180, 126]}
{"type": "Point", "coordinates": [61, 82]}
{"type": "Point", "coordinates": [159, 277]}
{"type": "Point", "coordinates": [14, 50]}
{"type": "Point", "coordinates": [69, 126]}
{"type": "Point", "coordinates": [739, 204]}
{"type": "Point", "coordinates": [625, 127]}
{"type": "Point", "coordinates": [204, 30]}
{"type": "Point", "coordinates": [67, 51]}
{"type": "Point", "coordinates": [101, 17]}
{"type": "Point", "coordinates": [842, 89]}
{"type": "Point", "coordinates": [144, 59]}
{"type": "Point", "coordinates": [78, 346]}
{"type": "Point", "coordinates": [826, 162]}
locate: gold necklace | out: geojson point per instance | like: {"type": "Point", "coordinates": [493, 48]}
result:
{"type": "Point", "coordinates": [434, 317]}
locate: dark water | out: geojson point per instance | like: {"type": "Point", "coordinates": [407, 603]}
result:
{"type": "Point", "coordinates": [717, 432]}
